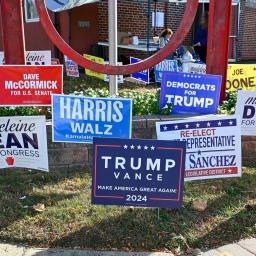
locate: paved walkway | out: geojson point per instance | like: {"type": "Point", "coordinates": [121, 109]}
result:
{"type": "Point", "coordinates": [245, 247]}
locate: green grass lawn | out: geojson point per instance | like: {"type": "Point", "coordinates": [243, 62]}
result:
{"type": "Point", "coordinates": [54, 209]}
{"type": "Point", "coordinates": [69, 220]}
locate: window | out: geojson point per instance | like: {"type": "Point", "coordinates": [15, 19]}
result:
{"type": "Point", "coordinates": [30, 11]}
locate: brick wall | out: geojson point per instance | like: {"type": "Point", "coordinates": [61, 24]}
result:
{"type": "Point", "coordinates": [78, 156]}
{"type": "Point", "coordinates": [247, 33]}
{"type": "Point", "coordinates": [131, 17]}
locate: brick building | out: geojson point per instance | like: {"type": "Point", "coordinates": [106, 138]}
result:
{"type": "Point", "coordinates": [84, 26]}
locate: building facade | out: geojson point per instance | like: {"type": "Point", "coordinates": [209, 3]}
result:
{"type": "Point", "coordinates": [84, 26]}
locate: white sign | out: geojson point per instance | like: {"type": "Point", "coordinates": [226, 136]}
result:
{"type": "Point", "coordinates": [213, 145]}
{"type": "Point", "coordinates": [159, 17]}
{"type": "Point", "coordinates": [23, 142]}
{"type": "Point", "coordinates": [120, 78]}
{"type": "Point", "coordinates": [197, 68]}
{"type": "Point", "coordinates": [245, 107]}
{"type": "Point", "coordinates": [33, 58]}
{"type": "Point", "coordinates": [71, 67]}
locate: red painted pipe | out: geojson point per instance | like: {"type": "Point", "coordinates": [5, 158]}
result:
{"type": "Point", "coordinates": [218, 35]}
{"type": "Point", "coordinates": [176, 40]}
{"type": "Point", "coordinates": [12, 31]}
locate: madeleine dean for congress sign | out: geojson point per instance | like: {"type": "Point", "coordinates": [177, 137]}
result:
{"type": "Point", "coordinates": [79, 119]}
{"type": "Point", "coordinates": [23, 142]}
{"type": "Point", "coordinates": [137, 172]}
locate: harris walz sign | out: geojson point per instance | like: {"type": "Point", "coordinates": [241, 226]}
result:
{"type": "Point", "coordinates": [137, 172]}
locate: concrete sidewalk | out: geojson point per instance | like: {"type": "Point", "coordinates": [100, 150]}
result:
{"type": "Point", "coordinates": [245, 247]}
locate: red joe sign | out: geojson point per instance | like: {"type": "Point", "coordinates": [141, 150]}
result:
{"type": "Point", "coordinates": [29, 85]}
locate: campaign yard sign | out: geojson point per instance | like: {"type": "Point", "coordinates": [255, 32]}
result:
{"type": "Point", "coordinates": [245, 107]}
{"type": "Point", "coordinates": [213, 145]}
{"type": "Point", "coordinates": [120, 78]}
{"type": "Point", "coordinates": [33, 58]}
{"type": "Point", "coordinates": [137, 172]}
{"type": "Point", "coordinates": [71, 67]}
{"type": "Point", "coordinates": [23, 142]}
{"type": "Point", "coordinates": [190, 93]}
{"type": "Point", "coordinates": [142, 75]}
{"type": "Point", "coordinates": [29, 85]}
{"type": "Point", "coordinates": [241, 76]}
{"type": "Point", "coordinates": [91, 72]}
{"type": "Point", "coordinates": [78, 119]}
{"type": "Point", "coordinates": [165, 65]}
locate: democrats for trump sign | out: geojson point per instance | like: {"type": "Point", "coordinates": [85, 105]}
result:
{"type": "Point", "coordinates": [190, 93]}
{"type": "Point", "coordinates": [165, 65]}
{"type": "Point", "coordinates": [137, 172]}
{"type": "Point", "coordinates": [79, 119]}
{"type": "Point", "coordinates": [213, 145]}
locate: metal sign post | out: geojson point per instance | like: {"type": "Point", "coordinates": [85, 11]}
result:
{"type": "Point", "coordinates": [112, 36]}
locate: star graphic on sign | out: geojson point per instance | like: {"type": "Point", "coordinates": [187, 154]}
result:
{"type": "Point", "coordinates": [219, 123]}
{"type": "Point", "coordinates": [184, 75]}
{"type": "Point", "coordinates": [165, 127]}
{"type": "Point", "coordinates": [152, 147]}
{"type": "Point", "coordinates": [199, 152]}
{"type": "Point", "coordinates": [145, 147]}
{"type": "Point", "coordinates": [197, 125]}
{"type": "Point", "coordinates": [176, 127]}
{"type": "Point", "coordinates": [125, 146]}
{"type": "Point", "coordinates": [139, 147]}
{"type": "Point", "coordinates": [132, 147]}
{"type": "Point", "coordinates": [230, 122]}
{"type": "Point", "coordinates": [195, 76]}
{"type": "Point", "coordinates": [186, 125]}
{"type": "Point", "coordinates": [199, 76]}
{"type": "Point", "coordinates": [208, 124]}
{"type": "Point", "coordinates": [191, 76]}
{"type": "Point", "coordinates": [229, 170]}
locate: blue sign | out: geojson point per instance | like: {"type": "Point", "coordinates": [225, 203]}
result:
{"type": "Point", "coordinates": [142, 75]}
{"type": "Point", "coordinates": [190, 93]}
{"type": "Point", "coordinates": [137, 172]}
{"type": "Point", "coordinates": [165, 65]}
{"type": "Point", "coordinates": [79, 119]}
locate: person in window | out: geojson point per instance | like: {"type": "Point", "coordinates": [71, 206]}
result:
{"type": "Point", "coordinates": [200, 39]}
{"type": "Point", "coordinates": [164, 39]}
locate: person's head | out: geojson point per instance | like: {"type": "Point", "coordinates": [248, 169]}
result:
{"type": "Point", "coordinates": [167, 33]}
{"type": "Point", "coordinates": [205, 20]}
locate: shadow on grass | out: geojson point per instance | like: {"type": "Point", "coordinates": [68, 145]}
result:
{"type": "Point", "coordinates": [21, 190]}
{"type": "Point", "coordinates": [147, 229]}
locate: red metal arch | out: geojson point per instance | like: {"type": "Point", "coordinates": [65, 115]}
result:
{"type": "Point", "coordinates": [179, 35]}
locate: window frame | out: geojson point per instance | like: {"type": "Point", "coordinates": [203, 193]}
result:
{"type": "Point", "coordinates": [27, 18]}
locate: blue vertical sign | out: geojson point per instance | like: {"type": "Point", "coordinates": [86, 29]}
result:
{"type": "Point", "coordinates": [137, 172]}
{"type": "Point", "coordinates": [165, 65]}
{"type": "Point", "coordinates": [190, 93]}
{"type": "Point", "coordinates": [142, 75]}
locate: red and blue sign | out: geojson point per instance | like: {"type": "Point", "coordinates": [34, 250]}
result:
{"type": "Point", "coordinates": [137, 172]}
{"type": "Point", "coordinates": [190, 93]}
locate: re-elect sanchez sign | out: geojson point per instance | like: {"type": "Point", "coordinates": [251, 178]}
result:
{"type": "Point", "coordinates": [79, 119]}
{"type": "Point", "coordinates": [137, 172]}
{"type": "Point", "coordinates": [23, 142]}
{"type": "Point", "coordinates": [213, 145]}
{"type": "Point", "coordinates": [190, 93]}
{"type": "Point", "coordinates": [29, 85]}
